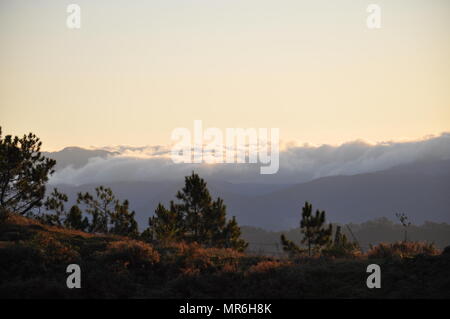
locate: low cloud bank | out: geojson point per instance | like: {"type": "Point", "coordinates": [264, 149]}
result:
{"type": "Point", "coordinates": [297, 163]}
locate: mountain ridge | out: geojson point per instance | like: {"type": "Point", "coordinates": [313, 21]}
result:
{"type": "Point", "coordinates": [408, 188]}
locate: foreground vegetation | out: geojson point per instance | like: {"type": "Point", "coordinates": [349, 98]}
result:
{"type": "Point", "coordinates": [194, 217]}
{"type": "Point", "coordinates": [34, 257]}
{"type": "Point", "coordinates": [189, 250]}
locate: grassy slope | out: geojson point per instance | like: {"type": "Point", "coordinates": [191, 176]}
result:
{"type": "Point", "coordinates": [34, 257]}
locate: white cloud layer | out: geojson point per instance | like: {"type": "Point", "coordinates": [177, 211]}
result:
{"type": "Point", "coordinates": [297, 163]}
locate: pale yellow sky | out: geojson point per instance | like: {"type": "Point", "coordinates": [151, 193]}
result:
{"type": "Point", "coordinates": [137, 70]}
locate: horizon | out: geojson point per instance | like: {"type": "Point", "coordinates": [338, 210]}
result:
{"type": "Point", "coordinates": [134, 72]}
{"type": "Point", "coordinates": [284, 145]}
{"type": "Point", "coordinates": [301, 162]}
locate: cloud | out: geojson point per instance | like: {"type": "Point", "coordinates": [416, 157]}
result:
{"type": "Point", "coordinates": [297, 163]}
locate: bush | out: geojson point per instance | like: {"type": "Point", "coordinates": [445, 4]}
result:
{"type": "Point", "coordinates": [54, 251]}
{"type": "Point", "coordinates": [130, 254]}
{"type": "Point", "coordinates": [402, 250]}
{"type": "Point", "coordinates": [342, 251]}
{"type": "Point", "coordinates": [266, 266]}
{"type": "Point", "coordinates": [193, 258]}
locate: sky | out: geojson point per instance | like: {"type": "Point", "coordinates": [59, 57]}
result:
{"type": "Point", "coordinates": [136, 70]}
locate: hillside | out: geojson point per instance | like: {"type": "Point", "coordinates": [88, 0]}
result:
{"type": "Point", "coordinates": [34, 260]}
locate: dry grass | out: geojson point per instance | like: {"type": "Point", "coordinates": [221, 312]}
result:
{"type": "Point", "coordinates": [267, 266]}
{"type": "Point", "coordinates": [192, 258]}
{"type": "Point", "coordinates": [35, 255]}
{"type": "Point", "coordinates": [131, 253]}
{"type": "Point", "coordinates": [402, 250]}
{"type": "Point", "coordinates": [14, 219]}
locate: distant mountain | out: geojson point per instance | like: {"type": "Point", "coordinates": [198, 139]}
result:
{"type": "Point", "coordinates": [421, 190]}
{"type": "Point", "coordinates": [75, 156]}
{"type": "Point", "coordinates": [368, 233]}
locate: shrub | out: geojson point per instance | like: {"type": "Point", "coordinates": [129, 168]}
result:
{"type": "Point", "coordinates": [131, 254]}
{"type": "Point", "coordinates": [266, 266]}
{"type": "Point", "coordinates": [192, 258]}
{"type": "Point", "coordinates": [342, 251]}
{"type": "Point", "coordinates": [402, 250]}
{"type": "Point", "coordinates": [53, 250]}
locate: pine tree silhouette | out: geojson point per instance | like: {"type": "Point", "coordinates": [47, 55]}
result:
{"type": "Point", "coordinates": [315, 235]}
{"type": "Point", "coordinates": [195, 218]}
{"type": "Point", "coordinates": [24, 172]}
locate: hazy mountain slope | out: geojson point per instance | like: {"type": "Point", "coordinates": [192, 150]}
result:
{"type": "Point", "coordinates": [368, 233]}
{"type": "Point", "coordinates": [420, 190]}
{"type": "Point", "coordinates": [417, 192]}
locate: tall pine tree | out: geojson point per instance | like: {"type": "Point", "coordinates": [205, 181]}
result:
{"type": "Point", "coordinates": [24, 171]}
{"type": "Point", "coordinates": [195, 218]}
{"type": "Point", "coordinates": [75, 220]}
{"type": "Point", "coordinates": [315, 234]}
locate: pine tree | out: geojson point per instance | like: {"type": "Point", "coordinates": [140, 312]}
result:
{"type": "Point", "coordinates": [341, 246]}
{"type": "Point", "coordinates": [165, 226]}
{"type": "Point", "coordinates": [23, 173]}
{"type": "Point", "coordinates": [55, 210]}
{"type": "Point", "coordinates": [122, 221]}
{"type": "Point", "coordinates": [195, 218]}
{"type": "Point", "coordinates": [312, 228]}
{"type": "Point", "coordinates": [213, 227]}
{"type": "Point", "coordinates": [232, 235]}
{"type": "Point", "coordinates": [75, 220]}
{"type": "Point", "coordinates": [315, 235]}
{"type": "Point", "coordinates": [100, 208]}
{"type": "Point", "coordinates": [195, 205]}
{"type": "Point", "coordinates": [108, 215]}
{"type": "Point", "coordinates": [290, 247]}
